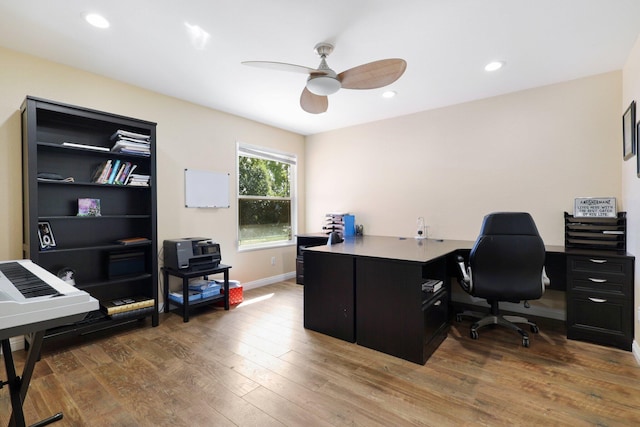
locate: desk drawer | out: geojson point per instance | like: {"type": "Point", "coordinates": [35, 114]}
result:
{"type": "Point", "coordinates": [599, 264]}
{"type": "Point", "coordinates": [618, 286]}
{"type": "Point", "coordinates": [607, 321]}
{"type": "Point", "coordinates": [436, 314]}
{"type": "Point", "coordinates": [600, 299]}
{"type": "Point", "coordinates": [436, 325]}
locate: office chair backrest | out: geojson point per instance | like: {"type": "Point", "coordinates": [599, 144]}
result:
{"type": "Point", "coordinates": [507, 259]}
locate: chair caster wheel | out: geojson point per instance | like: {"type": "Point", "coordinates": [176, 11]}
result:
{"type": "Point", "coordinates": [458, 317]}
{"type": "Point", "coordinates": [534, 329]}
{"type": "Point", "coordinates": [525, 341]}
{"type": "Point", "coordinates": [474, 335]}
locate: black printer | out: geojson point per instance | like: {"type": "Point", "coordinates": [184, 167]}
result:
{"type": "Point", "coordinates": [191, 253]}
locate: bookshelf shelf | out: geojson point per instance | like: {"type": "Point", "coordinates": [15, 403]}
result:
{"type": "Point", "coordinates": [94, 218]}
{"type": "Point", "coordinates": [87, 244]}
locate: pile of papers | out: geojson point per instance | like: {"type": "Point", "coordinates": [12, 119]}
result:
{"type": "Point", "coordinates": [127, 142]}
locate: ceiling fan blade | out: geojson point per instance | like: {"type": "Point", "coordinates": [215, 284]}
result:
{"type": "Point", "coordinates": [373, 75]}
{"type": "Point", "coordinates": [282, 66]}
{"type": "Point", "coordinates": [314, 104]}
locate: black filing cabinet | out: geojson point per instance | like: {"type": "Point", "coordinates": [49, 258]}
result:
{"type": "Point", "coordinates": [600, 299]}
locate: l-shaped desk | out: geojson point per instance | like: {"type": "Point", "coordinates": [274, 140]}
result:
{"type": "Point", "coordinates": [367, 289]}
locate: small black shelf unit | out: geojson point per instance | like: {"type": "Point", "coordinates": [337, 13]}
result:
{"type": "Point", "coordinates": [603, 234]}
{"type": "Point", "coordinates": [85, 243]}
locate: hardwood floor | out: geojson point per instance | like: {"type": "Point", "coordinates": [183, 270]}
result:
{"type": "Point", "coordinates": [257, 366]}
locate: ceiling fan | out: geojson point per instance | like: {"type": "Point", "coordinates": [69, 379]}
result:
{"type": "Point", "coordinates": [324, 81]}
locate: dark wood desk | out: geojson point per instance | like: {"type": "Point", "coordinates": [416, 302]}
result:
{"type": "Point", "coordinates": [368, 290]}
{"type": "Point", "coordinates": [185, 275]}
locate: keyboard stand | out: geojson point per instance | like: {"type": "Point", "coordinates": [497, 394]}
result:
{"type": "Point", "coordinates": [18, 386]}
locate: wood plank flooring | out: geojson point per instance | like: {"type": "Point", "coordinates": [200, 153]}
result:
{"type": "Point", "coordinates": [257, 366]}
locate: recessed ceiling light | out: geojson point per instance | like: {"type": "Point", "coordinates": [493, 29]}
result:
{"type": "Point", "coordinates": [493, 66]}
{"type": "Point", "coordinates": [389, 94]}
{"type": "Point", "coordinates": [97, 20]}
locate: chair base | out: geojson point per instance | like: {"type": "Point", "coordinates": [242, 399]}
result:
{"type": "Point", "coordinates": [509, 322]}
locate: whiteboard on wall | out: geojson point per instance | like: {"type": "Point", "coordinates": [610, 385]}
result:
{"type": "Point", "coordinates": [205, 189]}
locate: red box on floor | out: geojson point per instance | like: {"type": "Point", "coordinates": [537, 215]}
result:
{"type": "Point", "coordinates": [235, 291]}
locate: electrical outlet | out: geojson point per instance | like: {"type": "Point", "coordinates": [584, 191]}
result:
{"type": "Point", "coordinates": [638, 313]}
{"type": "Point", "coordinates": [273, 260]}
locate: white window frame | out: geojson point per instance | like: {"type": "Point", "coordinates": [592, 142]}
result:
{"type": "Point", "coordinates": [248, 150]}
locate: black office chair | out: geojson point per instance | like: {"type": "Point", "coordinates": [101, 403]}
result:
{"type": "Point", "coordinates": [505, 264]}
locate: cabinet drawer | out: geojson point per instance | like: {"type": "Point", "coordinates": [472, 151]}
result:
{"type": "Point", "coordinates": [436, 325]}
{"type": "Point", "coordinates": [599, 264]}
{"type": "Point", "coordinates": [607, 285]}
{"type": "Point", "coordinates": [596, 314]}
{"type": "Point", "coordinates": [435, 312]}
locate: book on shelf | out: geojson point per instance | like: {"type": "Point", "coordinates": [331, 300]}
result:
{"type": "Point", "coordinates": [122, 305]}
{"type": "Point", "coordinates": [85, 146]}
{"type": "Point", "coordinates": [131, 148]}
{"type": "Point", "coordinates": [101, 172]}
{"type": "Point", "coordinates": [121, 171]}
{"type": "Point", "coordinates": [132, 313]}
{"type": "Point", "coordinates": [138, 180]}
{"type": "Point", "coordinates": [132, 143]}
{"type": "Point", "coordinates": [114, 171]}
{"type": "Point", "coordinates": [133, 240]}
{"type": "Point", "coordinates": [121, 133]}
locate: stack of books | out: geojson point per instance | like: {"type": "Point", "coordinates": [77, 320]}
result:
{"type": "Point", "coordinates": [133, 143]}
{"type": "Point", "coordinates": [113, 172]}
{"type": "Point", "coordinates": [127, 307]}
{"type": "Point", "coordinates": [138, 180]}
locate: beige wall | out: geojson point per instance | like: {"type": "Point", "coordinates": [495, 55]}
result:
{"type": "Point", "coordinates": [188, 136]}
{"type": "Point", "coordinates": [534, 150]}
{"type": "Point", "coordinates": [630, 180]}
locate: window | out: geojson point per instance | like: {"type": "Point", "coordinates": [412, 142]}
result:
{"type": "Point", "coordinates": [266, 197]}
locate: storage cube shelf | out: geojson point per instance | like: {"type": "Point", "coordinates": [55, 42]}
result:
{"type": "Point", "coordinates": [70, 142]}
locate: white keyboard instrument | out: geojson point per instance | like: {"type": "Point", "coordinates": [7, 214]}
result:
{"type": "Point", "coordinates": [31, 297]}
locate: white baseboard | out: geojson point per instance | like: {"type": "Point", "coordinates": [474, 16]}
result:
{"type": "Point", "coordinates": [269, 280]}
{"type": "Point", "coordinates": [17, 343]}
{"type": "Point", "coordinates": [635, 348]}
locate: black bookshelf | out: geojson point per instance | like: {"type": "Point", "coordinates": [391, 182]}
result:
{"type": "Point", "coordinates": [84, 244]}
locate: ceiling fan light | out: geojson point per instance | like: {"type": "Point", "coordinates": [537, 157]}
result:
{"type": "Point", "coordinates": [323, 85]}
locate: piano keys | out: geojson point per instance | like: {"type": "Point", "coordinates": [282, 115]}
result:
{"type": "Point", "coordinates": [31, 301]}
{"type": "Point", "coordinates": [32, 298]}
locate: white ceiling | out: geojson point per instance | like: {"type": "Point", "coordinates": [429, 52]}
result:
{"type": "Point", "coordinates": [446, 44]}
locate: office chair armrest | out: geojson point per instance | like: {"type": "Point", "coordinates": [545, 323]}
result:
{"type": "Point", "coordinates": [545, 279]}
{"type": "Point", "coordinates": [465, 281]}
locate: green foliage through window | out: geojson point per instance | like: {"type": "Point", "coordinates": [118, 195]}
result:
{"type": "Point", "coordinates": [265, 205]}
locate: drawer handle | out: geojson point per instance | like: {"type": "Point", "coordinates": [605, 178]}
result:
{"type": "Point", "coordinates": [437, 303]}
{"type": "Point", "coordinates": [598, 261]}
{"type": "Point", "coordinates": [597, 280]}
{"type": "Point", "coordinates": [597, 299]}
